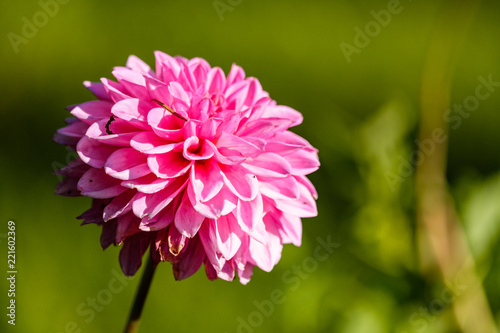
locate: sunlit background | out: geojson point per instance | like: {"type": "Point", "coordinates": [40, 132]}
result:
{"type": "Point", "coordinates": [416, 227]}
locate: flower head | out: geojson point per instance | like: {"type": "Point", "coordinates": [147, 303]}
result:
{"type": "Point", "coordinates": [199, 167]}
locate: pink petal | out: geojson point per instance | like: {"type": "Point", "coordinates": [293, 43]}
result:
{"type": "Point", "coordinates": [147, 184]}
{"type": "Point", "coordinates": [235, 74]}
{"type": "Point", "coordinates": [283, 112]}
{"type": "Point", "coordinates": [216, 81]}
{"type": "Point", "coordinates": [126, 164]}
{"type": "Point", "coordinates": [169, 165]}
{"type": "Point", "coordinates": [135, 63]}
{"type": "Point", "coordinates": [90, 112]}
{"type": "Point", "coordinates": [195, 150]}
{"type": "Point", "coordinates": [279, 188]}
{"type": "Point", "coordinates": [152, 204]}
{"type": "Point", "coordinates": [242, 183]}
{"type": "Point", "coordinates": [160, 221]}
{"type": "Point", "coordinates": [95, 183]}
{"type": "Point", "coordinates": [222, 204]}
{"type": "Point", "coordinates": [114, 90]}
{"type": "Point", "coordinates": [206, 180]}
{"type": "Point", "coordinates": [97, 88]}
{"type": "Point", "coordinates": [250, 213]}
{"type": "Point", "coordinates": [244, 147]}
{"type": "Point", "coordinates": [268, 165]}
{"type": "Point", "coordinates": [305, 206]}
{"type": "Point", "coordinates": [165, 124]}
{"type": "Point", "coordinates": [132, 81]}
{"type": "Point", "coordinates": [134, 111]}
{"type": "Point", "coordinates": [228, 235]}
{"type": "Point", "coordinates": [167, 68]}
{"type": "Point", "coordinates": [187, 220]}
{"type": "Point", "coordinates": [150, 143]}
{"type": "Point", "coordinates": [99, 131]}
{"type": "Point", "coordinates": [120, 205]}
{"type": "Point", "coordinates": [93, 152]}
{"type": "Point", "coordinates": [303, 162]}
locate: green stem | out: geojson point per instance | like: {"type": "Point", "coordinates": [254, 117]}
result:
{"type": "Point", "coordinates": [140, 298]}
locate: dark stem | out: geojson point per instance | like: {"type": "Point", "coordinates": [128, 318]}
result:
{"type": "Point", "coordinates": [140, 298]}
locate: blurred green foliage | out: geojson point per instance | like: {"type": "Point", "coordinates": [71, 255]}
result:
{"type": "Point", "coordinates": [363, 116]}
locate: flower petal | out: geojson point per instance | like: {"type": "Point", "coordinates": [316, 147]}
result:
{"type": "Point", "coordinates": [241, 182]}
{"type": "Point", "coordinates": [268, 165]}
{"type": "Point", "coordinates": [95, 183]}
{"type": "Point", "coordinates": [126, 164]}
{"type": "Point", "coordinates": [169, 165]}
{"type": "Point", "coordinates": [187, 220]}
{"type": "Point", "coordinates": [206, 180]}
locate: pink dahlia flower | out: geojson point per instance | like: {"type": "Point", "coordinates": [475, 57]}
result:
{"type": "Point", "coordinates": [199, 167]}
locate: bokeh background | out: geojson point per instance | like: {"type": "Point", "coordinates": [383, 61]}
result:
{"type": "Point", "coordinates": [418, 249]}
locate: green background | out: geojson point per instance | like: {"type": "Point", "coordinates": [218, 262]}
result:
{"type": "Point", "coordinates": [363, 116]}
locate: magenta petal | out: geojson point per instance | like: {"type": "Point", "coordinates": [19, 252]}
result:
{"type": "Point", "coordinates": [95, 183]}
{"type": "Point", "coordinates": [93, 152]}
{"type": "Point", "coordinates": [195, 150]}
{"type": "Point", "coordinates": [187, 220]}
{"type": "Point", "coordinates": [127, 163]}
{"type": "Point", "coordinates": [150, 143]}
{"type": "Point", "coordinates": [99, 131]}
{"type": "Point", "coordinates": [120, 205]}
{"type": "Point", "coordinates": [206, 179]}
{"type": "Point", "coordinates": [165, 124]}
{"type": "Point", "coordinates": [169, 165]}
{"type": "Point", "coordinates": [152, 204]}
{"type": "Point", "coordinates": [158, 222]}
{"type": "Point", "coordinates": [97, 88]}
{"type": "Point", "coordinates": [92, 111]}
{"type": "Point", "coordinates": [242, 183]}
{"type": "Point", "coordinates": [222, 204]}
{"type": "Point", "coordinates": [147, 184]}
{"type": "Point", "coordinates": [133, 82]}
{"type": "Point", "coordinates": [134, 111]}
{"type": "Point", "coordinates": [114, 90]}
